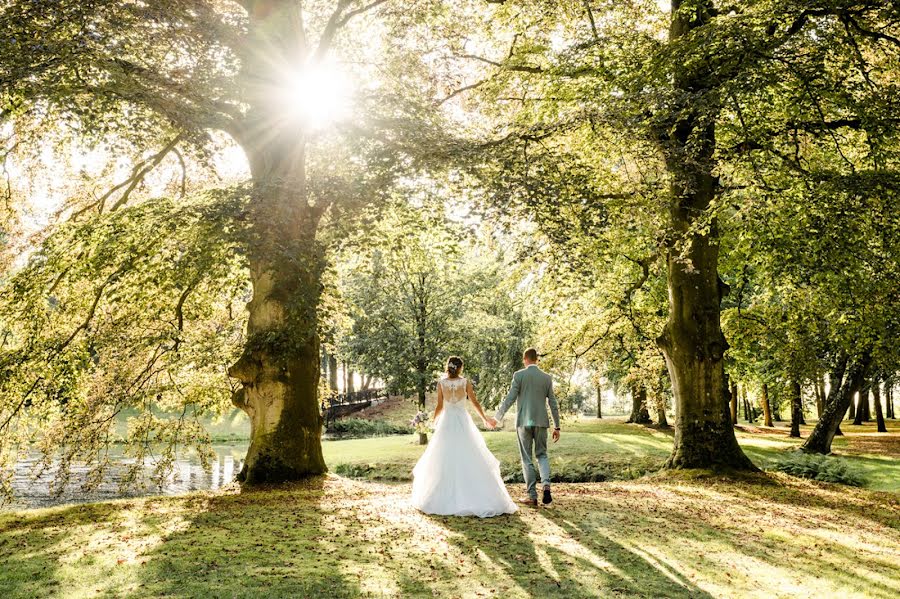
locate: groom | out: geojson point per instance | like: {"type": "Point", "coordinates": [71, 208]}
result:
{"type": "Point", "coordinates": [532, 389]}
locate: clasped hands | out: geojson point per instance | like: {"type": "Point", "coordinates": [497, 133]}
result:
{"type": "Point", "coordinates": [491, 423]}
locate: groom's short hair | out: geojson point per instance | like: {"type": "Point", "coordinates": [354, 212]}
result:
{"type": "Point", "coordinates": [530, 354]}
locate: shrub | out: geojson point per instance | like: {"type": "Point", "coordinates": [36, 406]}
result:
{"type": "Point", "coordinates": [819, 467]}
{"type": "Point", "coordinates": [359, 428]}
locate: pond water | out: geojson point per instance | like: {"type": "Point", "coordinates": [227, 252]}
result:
{"type": "Point", "coordinates": [188, 475]}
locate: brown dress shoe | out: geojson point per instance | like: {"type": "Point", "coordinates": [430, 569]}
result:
{"type": "Point", "coordinates": [529, 501]}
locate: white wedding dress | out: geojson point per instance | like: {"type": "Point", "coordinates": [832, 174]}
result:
{"type": "Point", "coordinates": [458, 475]}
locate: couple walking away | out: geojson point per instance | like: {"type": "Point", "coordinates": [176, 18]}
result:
{"type": "Point", "coordinates": [458, 475]}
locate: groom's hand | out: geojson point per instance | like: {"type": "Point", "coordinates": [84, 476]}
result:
{"type": "Point", "coordinates": [555, 435]}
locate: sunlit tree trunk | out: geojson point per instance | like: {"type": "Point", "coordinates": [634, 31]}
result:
{"type": "Point", "coordinates": [278, 369]}
{"type": "Point", "coordinates": [839, 398]}
{"type": "Point", "coordinates": [764, 402]}
{"type": "Point", "coordinates": [639, 413]}
{"type": "Point", "coordinates": [692, 340]}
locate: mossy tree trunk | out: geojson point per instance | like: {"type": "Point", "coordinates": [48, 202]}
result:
{"type": "Point", "coordinates": [279, 368]}
{"type": "Point", "coordinates": [692, 340]}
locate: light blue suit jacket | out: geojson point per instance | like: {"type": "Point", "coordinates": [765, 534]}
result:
{"type": "Point", "coordinates": [531, 390]}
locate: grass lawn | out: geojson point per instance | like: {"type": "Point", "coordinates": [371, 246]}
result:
{"type": "Point", "coordinates": [596, 450]}
{"type": "Point", "coordinates": [766, 535]}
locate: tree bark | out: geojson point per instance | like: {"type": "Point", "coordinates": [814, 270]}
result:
{"type": "Point", "coordinates": [639, 413]}
{"type": "Point", "coordinates": [734, 402]}
{"type": "Point", "coordinates": [332, 373]}
{"type": "Point", "coordinates": [796, 408]}
{"type": "Point", "coordinates": [819, 383]}
{"type": "Point", "coordinates": [889, 397]}
{"type": "Point", "coordinates": [764, 401]}
{"type": "Point", "coordinates": [839, 398]}
{"type": "Point", "coordinates": [692, 340]}
{"type": "Point", "coordinates": [661, 420]}
{"type": "Point", "coordinates": [876, 400]}
{"type": "Point", "coordinates": [279, 367]}
{"type": "Point", "coordinates": [599, 402]}
{"type": "Point", "coordinates": [862, 405]}
{"type": "Point", "coordinates": [867, 406]}
{"type": "Point", "coordinates": [421, 331]}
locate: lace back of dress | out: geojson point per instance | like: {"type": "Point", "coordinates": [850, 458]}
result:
{"type": "Point", "coordinates": [454, 390]}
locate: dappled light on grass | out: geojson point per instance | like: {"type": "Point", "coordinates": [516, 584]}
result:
{"type": "Point", "coordinates": [673, 536]}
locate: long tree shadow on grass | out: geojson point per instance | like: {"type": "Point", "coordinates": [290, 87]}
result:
{"type": "Point", "coordinates": [804, 549]}
{"type": "Point", "coordinates": [565, 565]}
{"type": "Point", "coordinates": [32, 546]}
{"type": "Point", "coordinates": [252, 544]}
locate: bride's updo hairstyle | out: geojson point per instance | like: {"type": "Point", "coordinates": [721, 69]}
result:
{"type": "Point", "coordinates": [454, 366]}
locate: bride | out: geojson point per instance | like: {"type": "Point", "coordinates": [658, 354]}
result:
{"type": "Point", "coordinates": [458, 475]}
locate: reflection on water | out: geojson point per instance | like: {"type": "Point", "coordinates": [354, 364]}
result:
{"type": "Point", "coordinates": [188, 475]}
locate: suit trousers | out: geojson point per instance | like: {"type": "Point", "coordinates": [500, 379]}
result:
{"type": "Point", "coordinates": [533, 439]}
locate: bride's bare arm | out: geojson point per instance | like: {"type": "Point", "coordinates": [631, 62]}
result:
{"type": "Point", "coordinates": [470, 391]}
{"type": "Point", "coordinates": [440, 402]}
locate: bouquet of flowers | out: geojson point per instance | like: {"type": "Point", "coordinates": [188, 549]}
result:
{"type": "Point", "coordinates": [420, 423]}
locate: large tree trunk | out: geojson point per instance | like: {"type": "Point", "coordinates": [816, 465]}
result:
{"type": "Point", "coordinates": [796, 408]}
{"type": "Point", "coordinates": [279, 367]}
{"type": "Point", "coordinates": [839, 398]}
{"type": "Point", "coordinates": [764, 401]}
{"type": "Point", "coordinates": [639, 413]}
{"type": "Point", "coordinates": [876, 400]}
{"type": "Point", "coordinates": [692, 340]}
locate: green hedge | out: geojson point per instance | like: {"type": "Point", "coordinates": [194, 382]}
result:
{"type": "Point", "coordinates": [357, 428]}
